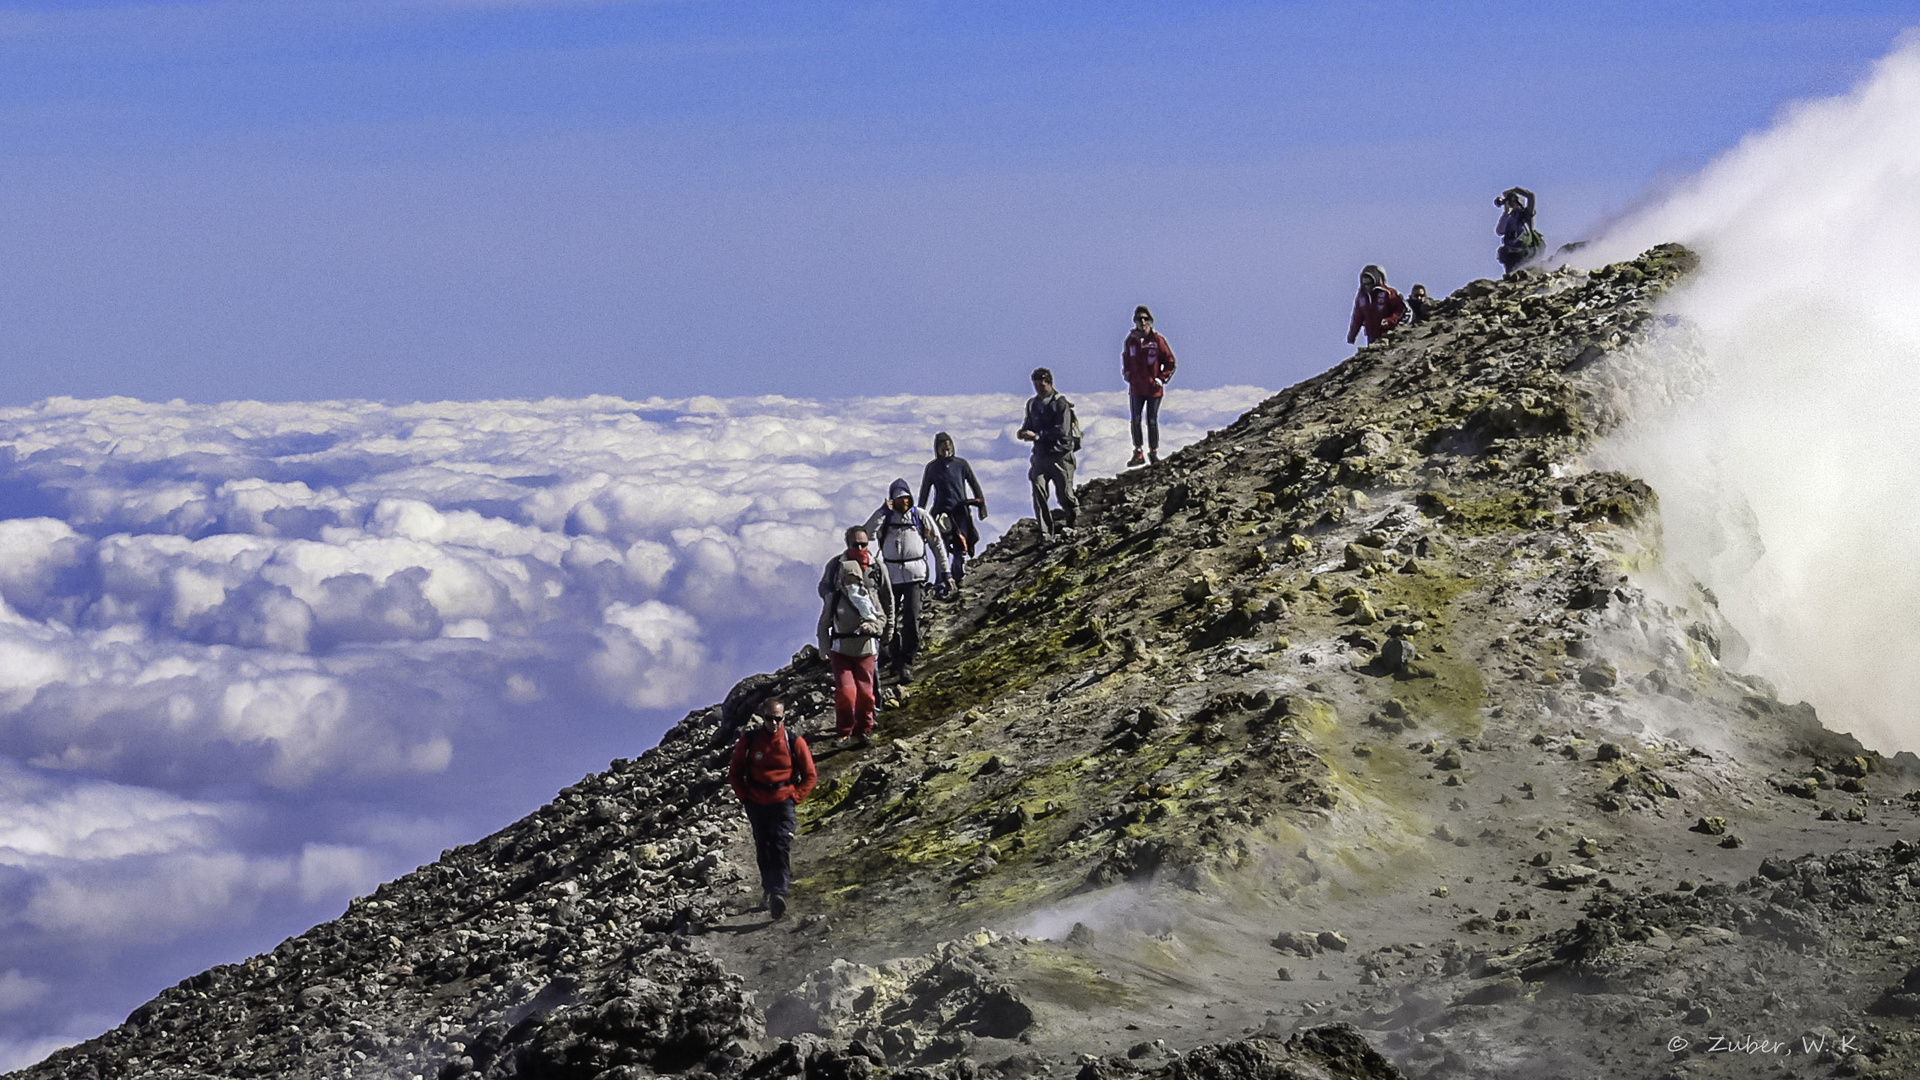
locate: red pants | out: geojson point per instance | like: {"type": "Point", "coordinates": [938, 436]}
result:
{"type": "Point", "coordinates": [852, 693]}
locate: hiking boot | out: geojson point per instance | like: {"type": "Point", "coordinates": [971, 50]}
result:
{"type": "Point", "coordinates": [1137, 459]}
{"type": "Point", "coordinates": [1153, 457]}
{"type": "Point", "coordinates": [776, 905]}
{"type": "Point", "coordinates": [862, 741]}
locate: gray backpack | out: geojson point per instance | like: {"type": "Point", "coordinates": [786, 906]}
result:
{"type": "Point", "coordinates": [848, 622]}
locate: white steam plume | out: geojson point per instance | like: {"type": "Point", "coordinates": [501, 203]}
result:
{"type": "Point", "coordinates": [1791, 485]}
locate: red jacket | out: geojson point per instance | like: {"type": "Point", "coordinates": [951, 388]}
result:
{"type": "Point", "coordinates": [1377, 311]}
{"type": "Point", "coordinates": [1144, 358]}
{"type": "Point", "coordinates": [764, 773]}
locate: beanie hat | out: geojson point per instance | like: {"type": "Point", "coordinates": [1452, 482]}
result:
{"type": "Point", "coordinates": [1142, 310]}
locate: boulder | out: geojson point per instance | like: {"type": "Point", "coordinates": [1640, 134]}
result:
{"type": "Point", "coordinates": [1570, 876]}
{"type": "Point", "coordinates": [1295, 941]}
{"type": "Point", "coordinates": [1397, 653]}
{"type": "Point", "coordinates": [1360, 556]}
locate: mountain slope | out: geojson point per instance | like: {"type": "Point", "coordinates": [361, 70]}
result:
{"type": "Point", "coordinates": [1376, 707]}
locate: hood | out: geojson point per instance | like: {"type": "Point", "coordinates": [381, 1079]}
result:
{"type": "Point", "coordinates": [897, 489]}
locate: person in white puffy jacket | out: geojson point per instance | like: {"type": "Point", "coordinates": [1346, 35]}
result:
{"type": "Point", "coordinates": [909, 545]}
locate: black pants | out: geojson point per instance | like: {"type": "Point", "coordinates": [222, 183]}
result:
{"type": "Point", "coordinates": [1150, 406]}
{"type": "Point", "coordinates": [906, 617]}
{"type": "Point", "coordinates": [772, 843]}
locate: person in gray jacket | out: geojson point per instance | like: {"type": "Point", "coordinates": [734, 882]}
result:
{"type": "Point", "coordinates": [1049, 426]}
{"type": "Point", "coordinates": [855, 618]}
{"type": "Point", "coordinates": [910, 546]}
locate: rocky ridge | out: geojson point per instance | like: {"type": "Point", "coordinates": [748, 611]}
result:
{"type": "Point", "coordinates": [1373, 720]}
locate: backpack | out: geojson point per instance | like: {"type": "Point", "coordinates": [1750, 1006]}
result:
{"type": "Point", "coordinates": [1075, 438]}
{"type": "Point", "coordinates": [916, 525]}
{"type": "Point", "coordinates": [861, 626]}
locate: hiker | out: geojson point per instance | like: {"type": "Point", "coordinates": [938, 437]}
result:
{"type": "Point", "coordinates": [947, 478]}
{"type": "Point", "coordinates": [1419, 305]}
{"type": "Point", "coordinates": [915, 558]}
{"type": "Point", "coordinates": [855, 619]}
{"type": "Point", "coordinates": [1146, 362]}
{"type": "Point", "coordinates": [771, 771]}
{"type": "Point", "coordinates": [1377, 308]}
{"type": "Point", "coordinates": [1518, 240]}
{"type": "Point", "coordinates": [1055, 434]}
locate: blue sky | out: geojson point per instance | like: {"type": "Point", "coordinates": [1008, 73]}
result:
{"type": "Point", "coordinates": [440, 199]}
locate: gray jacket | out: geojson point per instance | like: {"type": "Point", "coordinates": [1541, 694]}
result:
{"type": "Point", "coordinates": [1050, 418]}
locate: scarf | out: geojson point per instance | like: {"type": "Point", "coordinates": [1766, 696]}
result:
{"type": "Point", "coordinates": [862, 556]}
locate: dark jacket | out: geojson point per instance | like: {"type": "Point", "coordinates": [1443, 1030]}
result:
{"type": "Point", "coordinates": [947, 480]}
{"type": "Point", "coordinates": [1050, 419]}
{"type": "Point", "coordinates": [1513, 225]}
{"type": "Point", "coordinates": [762, 771]}
{"type": "Point", "coordinates": [1146, 357]}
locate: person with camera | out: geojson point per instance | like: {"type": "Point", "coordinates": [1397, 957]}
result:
{"type": "Point", "coordinates": [1519, 241]}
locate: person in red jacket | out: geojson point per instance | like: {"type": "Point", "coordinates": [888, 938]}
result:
{"type": "Point", "coordinates": [1146, 360]}
{"type": "Point", "coordinates": [1376, 308]}
{"type": "Point", "coordinates": [772, 771]}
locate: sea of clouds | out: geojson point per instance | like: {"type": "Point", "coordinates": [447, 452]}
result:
{"type": "Point", "coordinates": [256, 658]}
{"type": "Point", "coordinates": [1791, 485]}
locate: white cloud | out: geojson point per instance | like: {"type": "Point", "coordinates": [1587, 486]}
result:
{"type": "Point", "coordinates": [18, 991]}
{"type": "Point", "coordinates": [148, 900]}
{"type": "Point", "coordinates": [353, 621]}
{"type": "Point", "coordinates": [42, 819]}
